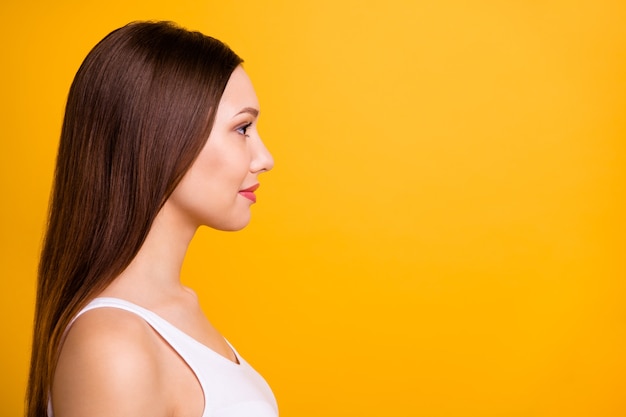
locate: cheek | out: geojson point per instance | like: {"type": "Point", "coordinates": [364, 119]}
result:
{"type": "Point", "coordinates": [231, 167]}
{"type": "Point", "coordinates": [220, 170]}
{"type": "Point", "coordinates": [223, 175]}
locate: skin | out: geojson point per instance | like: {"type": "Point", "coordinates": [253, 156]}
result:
{"type": "Point", "coordinates": [112, 363]}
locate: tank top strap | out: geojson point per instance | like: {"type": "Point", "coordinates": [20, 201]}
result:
{"type": "Point", "coordinates": [187, 347]}
{"type": "Point", "coordinates": [151, 318]}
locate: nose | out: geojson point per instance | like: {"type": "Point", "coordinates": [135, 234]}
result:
{"type": "Point", "coordinates": [262, 160]}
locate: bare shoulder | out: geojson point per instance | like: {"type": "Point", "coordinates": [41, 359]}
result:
{"type": "Point", "coordinates": [109, 366]}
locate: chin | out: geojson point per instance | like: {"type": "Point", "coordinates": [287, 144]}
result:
{"type": "Point", "coordinates": [233, 225]}
{"type": "Point", "coordinates": [233, 229]}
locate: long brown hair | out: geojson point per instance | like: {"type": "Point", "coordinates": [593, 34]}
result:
{"type": "Point", "coordinates": [139, 111]}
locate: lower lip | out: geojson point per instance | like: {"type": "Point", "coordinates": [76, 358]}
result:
{"type": "Point", "coordinates": [249, 195]}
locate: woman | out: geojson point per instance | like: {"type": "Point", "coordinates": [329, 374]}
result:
{"type": "Point", "coordinates": [159, 138]}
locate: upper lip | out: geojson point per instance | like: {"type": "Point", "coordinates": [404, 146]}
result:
{"type": "Point", "coordinates": [251, 189]}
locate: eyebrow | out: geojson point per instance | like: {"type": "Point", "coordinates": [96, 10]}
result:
{"type": "Point", "coordinates": [250, 110]}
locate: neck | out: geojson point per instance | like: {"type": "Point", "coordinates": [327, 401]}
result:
{"type": "Point", "coordinates": [154, 273]}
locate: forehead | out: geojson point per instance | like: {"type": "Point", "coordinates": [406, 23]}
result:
{"type": "Point", "coordinates": [238, 94]}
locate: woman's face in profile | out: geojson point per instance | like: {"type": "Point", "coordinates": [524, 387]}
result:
{"type": "Point", "coordinates": [218, 189]}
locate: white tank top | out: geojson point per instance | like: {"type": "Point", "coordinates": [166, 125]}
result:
{"type": "Point", "coordinates": [230, 389]}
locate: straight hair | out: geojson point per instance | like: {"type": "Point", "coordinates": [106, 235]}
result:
{"type": "Point", "coordinates": [139, 111]}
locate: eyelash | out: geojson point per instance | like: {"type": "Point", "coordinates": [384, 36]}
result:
{"type": "Point", "coordinates": [243, 129]}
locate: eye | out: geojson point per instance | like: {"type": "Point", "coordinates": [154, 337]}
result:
{"type": "Point", "coordinates": [243, 130]}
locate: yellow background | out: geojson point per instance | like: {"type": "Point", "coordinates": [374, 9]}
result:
{"type": "Point", "coordinates": [443, 233]}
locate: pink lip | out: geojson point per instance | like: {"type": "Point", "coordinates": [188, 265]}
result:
{"type": "Point", "coordinates": [249, 193]}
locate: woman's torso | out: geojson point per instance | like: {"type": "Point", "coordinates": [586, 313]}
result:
{"type": "Point", "coordinates": [230, 389]}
